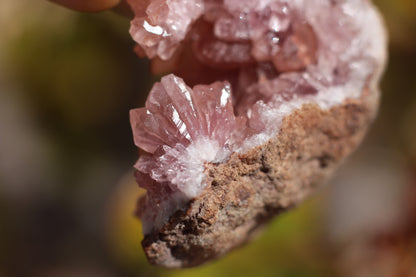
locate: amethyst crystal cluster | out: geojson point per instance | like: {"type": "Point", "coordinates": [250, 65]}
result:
{"type": "Point", "coordinates": [269, 58]}
{"type": "Point", "coordinates": [181, 129]}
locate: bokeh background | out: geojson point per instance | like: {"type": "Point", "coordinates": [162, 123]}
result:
{"type": "Point", "coordinates": [67, 195]}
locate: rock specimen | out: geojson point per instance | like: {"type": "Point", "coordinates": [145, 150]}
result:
{"type": "Point", "coordinates": [296, 88]}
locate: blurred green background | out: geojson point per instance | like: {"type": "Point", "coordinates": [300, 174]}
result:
{"type": "Point", "coordinates": [67, 195]}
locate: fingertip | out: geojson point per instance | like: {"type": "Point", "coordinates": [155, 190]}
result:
{"type": "Point", "coordinates": [88, 5]}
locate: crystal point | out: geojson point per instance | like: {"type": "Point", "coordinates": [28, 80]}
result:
{"type": "Point", "coordinates": [164, 25]}
{"type": "Point", "coordinates": [183, 129]}
{"type": "Point", "coordinates": [276, 55]}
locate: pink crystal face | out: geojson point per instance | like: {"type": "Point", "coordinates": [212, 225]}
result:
{"type": "Point", "coordinates": [164, 24]}
{"type": "Point", "coordinates": [275, 55]}
{"type": "Point", "coordinates": [181, 129]}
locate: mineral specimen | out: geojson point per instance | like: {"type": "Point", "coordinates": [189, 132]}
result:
{"type": "Point", "coordinates": [296, 87]}
{"type": "Point", "coordinates": [182, 129]}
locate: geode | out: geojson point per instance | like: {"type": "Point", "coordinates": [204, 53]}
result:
{"type": "Point", "coordinates": [282, 91]}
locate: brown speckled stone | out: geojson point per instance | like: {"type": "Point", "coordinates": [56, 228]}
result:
{"type": "Point", "coordinates": [247, 191]}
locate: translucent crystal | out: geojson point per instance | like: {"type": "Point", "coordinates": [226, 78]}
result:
{"type": "Point", "coordinates": [164, 26]}
{"type": "Point", "coordinates": [183, 128]}
{"type": "Point", "coordinates": [298, 50]}
{"type": "Point", "coordinates": [276, 54]}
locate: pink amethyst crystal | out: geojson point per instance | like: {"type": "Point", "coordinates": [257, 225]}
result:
{"type": "Point", "coordinates": [276, 55]}
{"type": "Point", "coordinates": [165, 26]}
{"type": "Point", "coordinates": [182, 128]}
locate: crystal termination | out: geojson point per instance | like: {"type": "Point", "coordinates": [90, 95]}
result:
{"type": "Point", "coordinates": [299, 79]}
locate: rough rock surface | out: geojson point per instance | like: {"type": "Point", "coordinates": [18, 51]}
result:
{"type": "Point", "coordinates": [301, 88]}
{"type": "Point", "coordinates": [247, 191]}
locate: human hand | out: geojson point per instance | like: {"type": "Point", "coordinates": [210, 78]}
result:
{"type": "Point", "coordinates": [93, 5]}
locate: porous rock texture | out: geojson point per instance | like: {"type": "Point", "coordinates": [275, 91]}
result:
{"type": "Point", "coordinates": [247, 191]}
{"type": "Point", "coordinates": [298, 87]}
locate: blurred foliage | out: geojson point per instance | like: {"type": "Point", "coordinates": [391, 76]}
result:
{"type": "Point", "coordinates": [70, 80]}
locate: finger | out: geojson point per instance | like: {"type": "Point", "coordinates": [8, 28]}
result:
{"type": "Point", "coordinates": [88, 5]}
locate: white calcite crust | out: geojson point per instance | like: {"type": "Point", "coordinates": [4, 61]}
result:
{"type": "Point", "coordinates": [284, 54]}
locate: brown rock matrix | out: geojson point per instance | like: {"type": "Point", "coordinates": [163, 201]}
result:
{"type": "Point", "coordinates": [282, 91]}
{"type": "Point", "coordinates": [246, 192]}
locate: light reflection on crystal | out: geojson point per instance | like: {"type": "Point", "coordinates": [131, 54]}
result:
{"type": "Point", "coordinates": [283, 54]}
{"type": "Point", "coordinates": [157, 30]}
